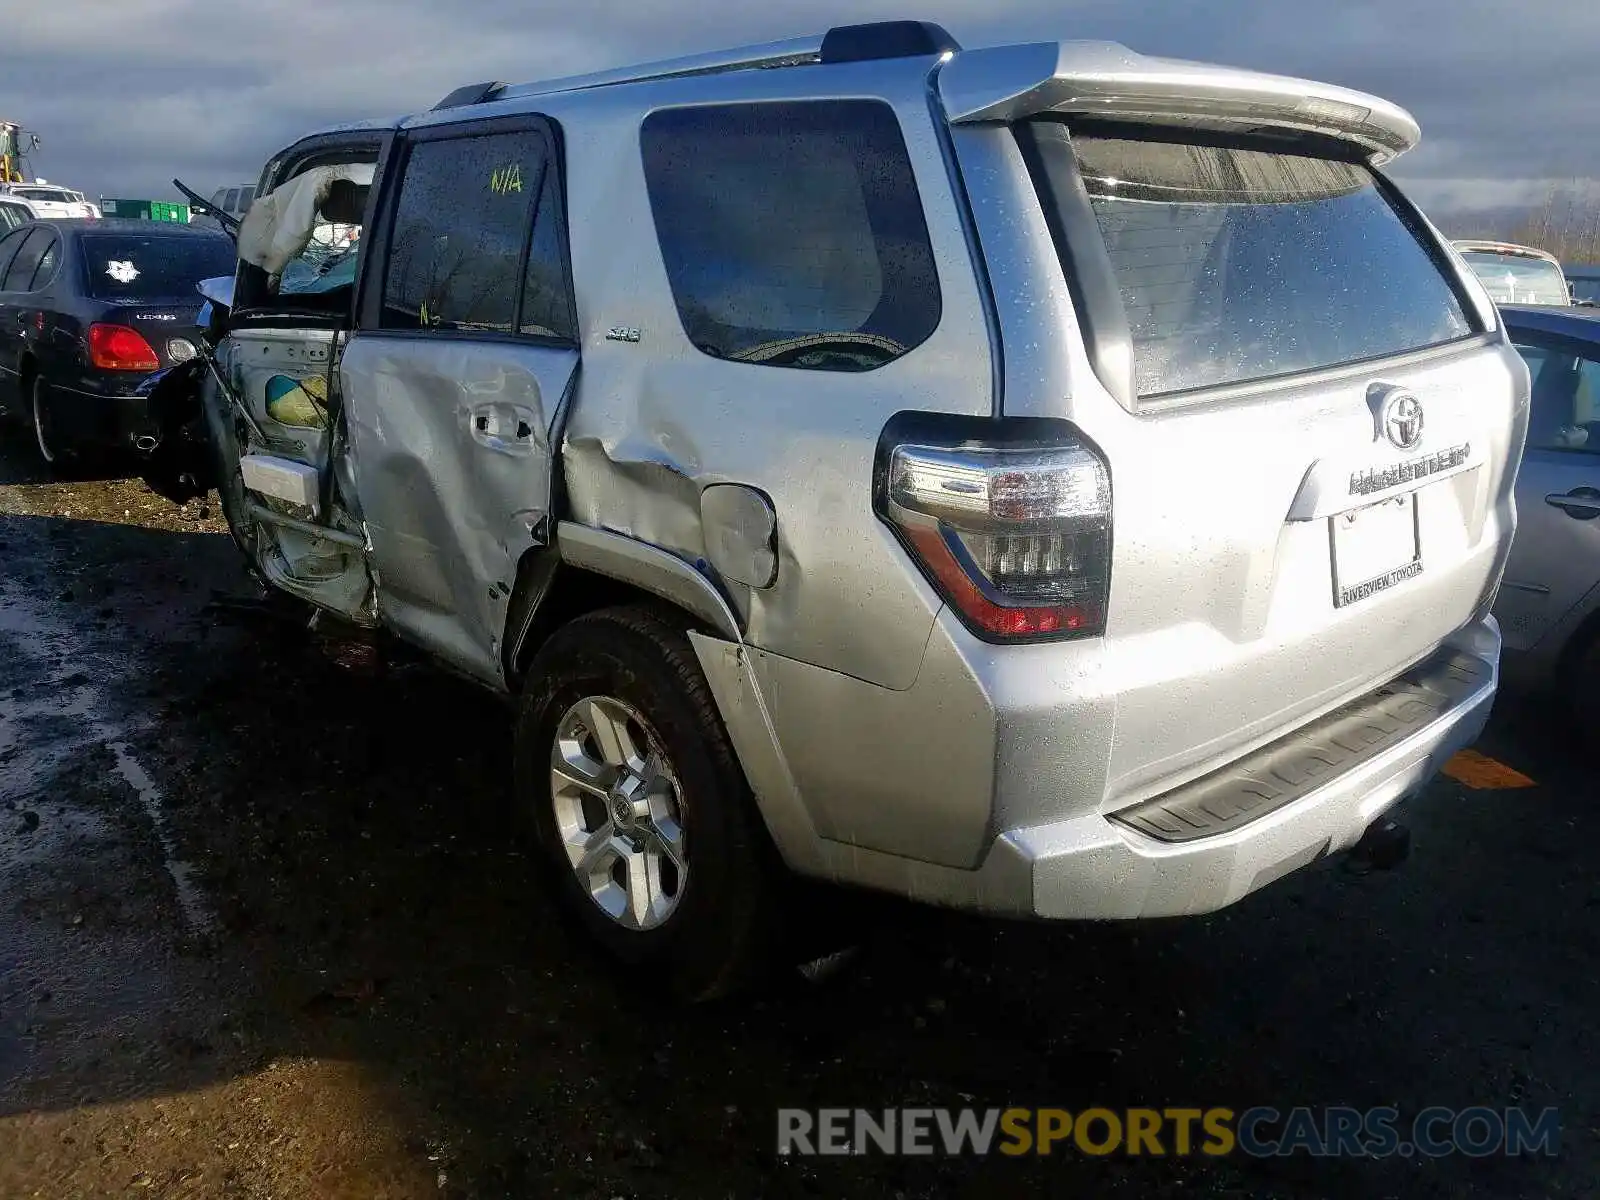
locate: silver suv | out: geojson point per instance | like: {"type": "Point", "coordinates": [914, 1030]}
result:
{"type": "Point", "coordinates": [1042, 480]}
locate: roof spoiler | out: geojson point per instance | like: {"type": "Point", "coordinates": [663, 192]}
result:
{"type": "Point", "coordinates": [1104, 79]}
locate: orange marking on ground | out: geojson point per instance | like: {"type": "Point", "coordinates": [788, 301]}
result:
{"type": "Point", "coordinates": [1484, 773]}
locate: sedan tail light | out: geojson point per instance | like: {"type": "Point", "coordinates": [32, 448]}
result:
{"type": "Point", "coordinates": [118, 348]}
{"type": "Point", "coordinates": [1016, 536]}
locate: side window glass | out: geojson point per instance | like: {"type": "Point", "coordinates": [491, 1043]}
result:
{"type": "Point", "coordinates": [546, 296]}
{"type": "Point", "coordinates": [231, 201]}
{"type": "Point", "coordinates": [44, 274]}
{"type": "Point", "coordinates": [11, 216]}
{"type": "Point", "coordinates": [792, 233]}
{"type": "Point", "coordinates": [20, 274]}
{"type": "Point", "coordinates": [1566, 399]}
{"type": "Point", "coordinates": [455, 254]}
{"type": "Point", "coordinates": [8, 250]}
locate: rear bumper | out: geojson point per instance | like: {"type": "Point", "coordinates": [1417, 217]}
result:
{"type": "Point", "coordinates": [1208, 844]}
{"type": "Point", "coordinates": [113, 418]}
{"type": "Point", "coordinates": [1192, 849]}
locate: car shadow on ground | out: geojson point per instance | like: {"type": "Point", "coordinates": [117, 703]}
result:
{"type": "Point", "coordinates": [20, 463]}
{"type": "Point", "coordinates": [352, 830]}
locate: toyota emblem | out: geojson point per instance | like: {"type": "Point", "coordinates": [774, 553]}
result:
{"type": "Point", "coordinates": [1402, 420]}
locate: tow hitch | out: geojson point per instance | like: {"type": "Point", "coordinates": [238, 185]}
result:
{"type": "Point", "coordinates": [1383, 847]}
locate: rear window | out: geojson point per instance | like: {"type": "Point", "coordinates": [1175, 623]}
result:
{"type": "Point", "coordinates": [792, 232]}
{"type": "Point", "coordinates": [131, 267]}
{"type": "Point", "coordinates": [1240, 264]}
{"type": "Point", "coordinates": [1518, 278]}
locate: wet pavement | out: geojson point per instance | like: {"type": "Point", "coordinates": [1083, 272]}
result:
{"type": "Point", "coordinates": [265, 930]}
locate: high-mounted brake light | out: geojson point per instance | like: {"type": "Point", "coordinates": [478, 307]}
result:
{"type": "Point", "coordinates": [1017, 538]}
{"type": "Point", "coordinates": [118, 348]}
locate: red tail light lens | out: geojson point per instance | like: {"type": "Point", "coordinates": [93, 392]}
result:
{"type": "Point", "coordinates": [1016, 538]}
{"type": "Point", "coordinates": [118, 348]}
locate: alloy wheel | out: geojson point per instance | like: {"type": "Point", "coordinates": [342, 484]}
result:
{"type": "Point", "coordinates": [619, 811]}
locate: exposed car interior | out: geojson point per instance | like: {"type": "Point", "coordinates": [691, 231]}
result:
{"type": "Point", "coordinates": [299, 243]}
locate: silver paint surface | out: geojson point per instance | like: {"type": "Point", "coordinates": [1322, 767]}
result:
{"type": "Point", "coordinates": [1004, 83]}
{"type": "Point", "coordinates": [451, 437]}
{"type": "Point", "coordinates": [656, 422]}
{"type": "Point", "coordinates": [885, 744]}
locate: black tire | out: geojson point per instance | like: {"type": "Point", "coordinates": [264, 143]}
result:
{"type": "Point", "coordinates": [717, 937]}
{"type": "Point", "coordinates": [55, 452]}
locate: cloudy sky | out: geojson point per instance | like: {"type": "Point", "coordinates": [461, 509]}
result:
{"type": "Point", "coordinates": [128, 93]}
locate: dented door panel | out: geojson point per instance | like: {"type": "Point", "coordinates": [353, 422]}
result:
{"type": "Point", "coordinates": [655, 420]}
{"type": "Point", "coordinates": [451, 440]}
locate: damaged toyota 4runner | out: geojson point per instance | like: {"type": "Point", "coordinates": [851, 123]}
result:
{"type": "Point", "coordinates": [1042, 480]}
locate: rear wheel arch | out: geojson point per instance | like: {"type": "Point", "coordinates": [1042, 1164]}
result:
{"type": "Point", "coordinates": [550, 593]}
{"type": "Point", "coordinates": [636, 656]}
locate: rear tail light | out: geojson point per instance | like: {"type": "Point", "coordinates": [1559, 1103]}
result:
{"type": "Point", "coordinates": [1016, 537]}
{"type": "Point", "coordinates": [118, 348]}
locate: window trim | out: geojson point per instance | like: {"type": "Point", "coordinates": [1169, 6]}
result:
{"type": "Point", "coordinates": [386, 208]}
{"type": "Point", "coordinates": [38, 285]}
{"type": "Point", "coordinates": [1081, 253]}
{"type": "Point", "coordinates": [791, 102]}
{"type": "Point", "coordinates": [1105, 310]}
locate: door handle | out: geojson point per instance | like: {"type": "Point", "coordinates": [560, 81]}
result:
{"type": "Point", "coordinates": [1581, 504]}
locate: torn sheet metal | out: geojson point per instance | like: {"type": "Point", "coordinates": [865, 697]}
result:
{"type": "Point", "coordinates": [329, 571]}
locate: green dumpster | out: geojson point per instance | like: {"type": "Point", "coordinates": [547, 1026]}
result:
{"type": "Point", "coordinates": [144, 210]}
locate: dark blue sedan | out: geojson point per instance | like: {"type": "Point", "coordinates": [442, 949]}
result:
{"type": "Point", "coordinates": [88, 311]}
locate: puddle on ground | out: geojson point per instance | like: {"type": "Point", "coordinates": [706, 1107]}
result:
{"type": "Point", "coordinates": [50, 725]}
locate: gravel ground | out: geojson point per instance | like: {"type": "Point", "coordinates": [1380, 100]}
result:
{"type": "Point", "coordinates": [265, 932]}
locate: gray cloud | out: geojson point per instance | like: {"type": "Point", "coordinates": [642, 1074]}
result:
{"type": "Point", "coordinates": [128, 95]}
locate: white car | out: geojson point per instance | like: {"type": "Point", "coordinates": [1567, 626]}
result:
{"type": "Point", "coordinates": [235, 201]}
{"type": "Point", "coordinates": [15, 212]}
{"type": "Point", "coordinates": [50, 201]}
{"type": "Point", "coordinates": [1516, 274]}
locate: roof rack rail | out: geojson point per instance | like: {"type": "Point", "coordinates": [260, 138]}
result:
{"type": "Point", "coordinates": [846, 43]}
{"type": "Point", "coordinates": [886, 39]}
{"type": "Point", "coordinates": [472, 93]}
{"type": "Point", "coordinates": [791, 53]}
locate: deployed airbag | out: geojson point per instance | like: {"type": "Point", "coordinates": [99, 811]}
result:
{"type": "Point", "coordinates": [279, 225]}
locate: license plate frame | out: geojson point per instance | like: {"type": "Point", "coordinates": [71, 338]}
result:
{"type": "Point", "coordinates": [1374, 547]}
